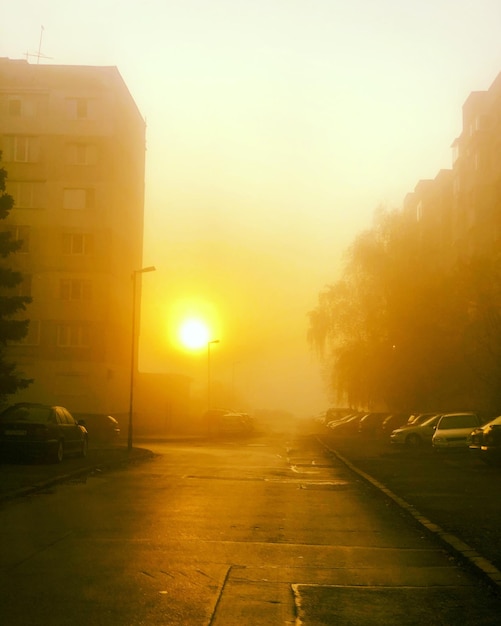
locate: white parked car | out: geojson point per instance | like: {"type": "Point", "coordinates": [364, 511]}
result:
{"type": "Point", "coordinates": [453, 429]}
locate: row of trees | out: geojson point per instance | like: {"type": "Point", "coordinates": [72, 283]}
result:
{"type": "Point", "coordinates": [11, 328]}
{"type": "Point", "coordinates": [408, 328]}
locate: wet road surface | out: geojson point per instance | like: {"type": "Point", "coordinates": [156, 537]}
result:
{"type": "Point", "coordinates": [270, 530]}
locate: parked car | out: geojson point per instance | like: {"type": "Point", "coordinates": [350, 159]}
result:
{"type": "Point", "coordinates": [370, 424]}
{"type": "Point", "coordinates": [392, 422]}
{"type": "Point", "coordinates": [485, 441]}
{"type": "Point", "coordinates": [334, 414]}
{"type": "Point", "coordinates": [39, 430]}
{"type": "Point", "coordinates": [236, 423]}
{"type": "Point", "coordinates": [419, 418]}
{"type": "Point", "coordinates": [348, 426]}
{"type": "Point", "coordinates": [415, 436]}
{"type": "Point", "coordinates": [102, 428]}
{"type": "Point", "coordinates": [452, 430]}
{"type": "Point", "coordinates": [226, 422]}
{"type": "Point", "coordinates": [342, 420]}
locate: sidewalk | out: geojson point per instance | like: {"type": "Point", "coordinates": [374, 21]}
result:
{"type": "Point", "coordinates": [18, 478]}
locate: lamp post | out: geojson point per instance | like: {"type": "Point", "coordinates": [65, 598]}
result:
{"type": "Point", "coordinates": [133, 350]}
{"type": "Point", "coordinates": [208, 370]}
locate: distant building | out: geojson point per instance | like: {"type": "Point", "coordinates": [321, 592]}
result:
{"type": "Point", "coordinates": [73, 144]}
{"type": "Point", "coordinates": [460, 209]}
{"type": "Point", "coordinates": [477, 173]}
{"type": "Point", "coordinates": [430, 204]}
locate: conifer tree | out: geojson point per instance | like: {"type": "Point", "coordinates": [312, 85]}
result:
{"type": "Point", "coordinates": [11, 328]}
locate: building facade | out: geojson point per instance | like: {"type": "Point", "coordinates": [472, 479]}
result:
{"type": "Point", "coordinates": [460, 209]}
{"type": "Point", "coordinates": [477, 173]}
{"type": "Point", "coordinates": [73, 145]}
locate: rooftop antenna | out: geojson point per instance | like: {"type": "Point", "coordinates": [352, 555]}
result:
{"type": "Point", "coordinates": [38, 54]}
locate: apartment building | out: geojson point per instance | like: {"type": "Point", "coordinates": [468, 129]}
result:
{"type": "Point", "coordinates": [430, 204]}
{"type": "Point", "coordinates": [477, 173]}
{"type": "Point", "coordinates": [73, 144]}
{"type": "Point", "coordinates": [460, 209]}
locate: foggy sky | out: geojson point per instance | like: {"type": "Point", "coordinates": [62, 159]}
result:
{"type": "Point", "coordinates": [274, 129]}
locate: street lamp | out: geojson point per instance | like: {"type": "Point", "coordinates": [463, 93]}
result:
{"type": "Point", "coordinates": [208, 370]}
{"type": "Point", "coordinates": [133, 349]}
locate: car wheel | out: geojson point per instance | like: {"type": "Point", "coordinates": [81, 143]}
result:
{"type": "Point", "coordinates": [413, 440]}
{"type": "Point", "coordinates": [85, 447]}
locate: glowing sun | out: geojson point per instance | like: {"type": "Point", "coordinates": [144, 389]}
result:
{"type": "Point", "coordinates": [194, 334]}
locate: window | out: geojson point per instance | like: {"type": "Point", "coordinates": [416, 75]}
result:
{"type": "Point", "coordinates": [26, 194]}
{"type": "Point", "coordinates": [78, 199]}
{"type": "Point", "coordinates": [21, 148]}
{"type": "Point", "coordinates": [78, 243]}
{"type": "Point", "coordinates": [63, 417]}
{"type": "Point", "coordinates": [72, 335]}
{"type": "Point", "coordinates": [81, 154]}
{"type": "Point", "coordinates": [21, 233]}
{"type": "Point", "coordinates": [482, 122]}
{"type": "Point", "coordinates": [481, 160]}
{"type": "Point", "coordinates": [80, 108]}
{"type": "Point", "coordinates": [458, 421]}
{"type": "Point", "coordinates": [419, 211]}
{"type": "Point", "coordinates": [32, 414]}
{"type": "Point", "coordinates": [21, 106]}
{"type": "Point", "coordinates": [75, 289]}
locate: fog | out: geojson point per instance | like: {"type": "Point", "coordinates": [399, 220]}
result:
{"type": "Point", "coordinates": [274, 129]}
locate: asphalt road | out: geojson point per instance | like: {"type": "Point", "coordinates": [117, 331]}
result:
{"type": "Point", "coordinates": [455, 491]}
{"type": "Point", "coordinates": [270, 530]}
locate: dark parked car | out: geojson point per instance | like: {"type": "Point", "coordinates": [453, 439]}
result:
{"type": "Point", "coordinates": [237, 423]}
{"type": "Point", "coordinates": [102, 428]}
{"type": "Point", "coordinates": [370, 424]}
{"type": "Point", "coordinates": [39, 430]}
{"type": "Point", "coordinates": [393, 421]}
{"type": "Point", "coordinates": [485, 441]}
{"type": "Point", "coordinates": [226, 422]}
{"type": "Point", "coordinates": [212, 419]}
{"type": "Point", "coordinates": [347, 426]}
{"type": "Point", "coordinates": [342, 420]}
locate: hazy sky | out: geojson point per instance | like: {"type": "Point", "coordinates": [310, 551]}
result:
{"type": "Point", "coordinates": [275, 128]}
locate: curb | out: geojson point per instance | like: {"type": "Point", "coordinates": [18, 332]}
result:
{"type": "Point", "coordinates": [139, 454]}
{"type": "Point", "coordinates": [453, 544]}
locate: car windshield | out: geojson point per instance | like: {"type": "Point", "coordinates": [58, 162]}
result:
{"type": "Point", "coordinates": [32, 414]}
{"type": "Point", "coordinates": [430, 421]}
{"type": "Point", "coordinates": [457, 421]}
{"type": "Point", "coordinates": [419, 419]}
